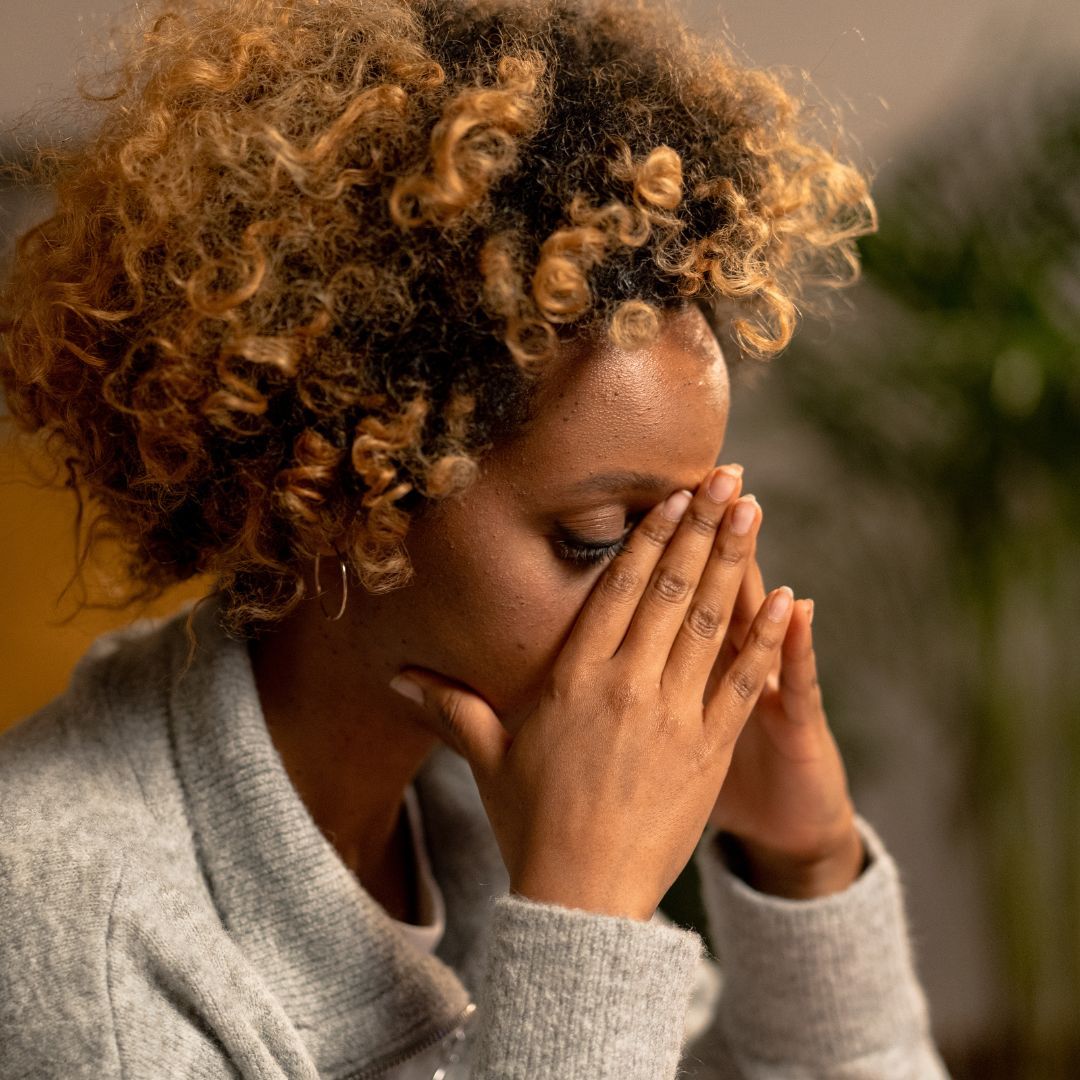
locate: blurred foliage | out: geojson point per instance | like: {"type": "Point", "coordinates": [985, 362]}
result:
{"type": "Point", "coordinates": [963, 390]}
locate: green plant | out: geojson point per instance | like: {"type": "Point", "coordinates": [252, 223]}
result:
{"type": "Point", "coordinates": [963, 389]}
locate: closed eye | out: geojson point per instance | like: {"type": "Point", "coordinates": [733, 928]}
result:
{"type": "Point", "coordinates": [589, 554]}
{"type": "Point", "coordinates": [592, 552]}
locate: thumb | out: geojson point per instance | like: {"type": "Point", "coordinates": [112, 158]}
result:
{"type": "Point", "coordinates": [460, 718]}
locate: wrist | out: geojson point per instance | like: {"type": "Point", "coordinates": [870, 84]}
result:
{"type": "Point", "coordinates": [794, 877]}
{"type": "Point", "coordinates": [570, 895]}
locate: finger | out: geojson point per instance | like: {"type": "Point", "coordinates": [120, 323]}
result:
{"type": "Point", "coordinates": [751, 597]}
{"type": "Point", "coordinates": [799, 689]}
{"type": "Point", "coordinates": [460, 718]}
{"type": "Point", "coordinates": [737, 692]}
{"type": "Point", "coordinates": [675, 582]}
{"type": "Point", "coordinates": [747, 605]}
{"type": "Point", "coordinates": [758, 587]}
{"type": "Point", "coordinates": [601, 624]}
{"type": "Point", "coordinates": [701, 635]}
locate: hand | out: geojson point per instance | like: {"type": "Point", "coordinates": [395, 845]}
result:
{"type": "Point", "coordinates": [785, 799]}
{"type": "Point", "coordinates": [600, 798]}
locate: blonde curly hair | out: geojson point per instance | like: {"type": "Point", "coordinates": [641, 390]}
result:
{"type": "Point", "coordinates": [314, 256]}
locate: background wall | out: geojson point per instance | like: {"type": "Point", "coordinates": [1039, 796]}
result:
{"type": "Point", "coordinates": [900, 66]}
{"type": "Point", "coordinates": [903, 75]}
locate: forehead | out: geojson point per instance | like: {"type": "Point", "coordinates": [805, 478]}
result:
{"type": "Point", "coordinates": [660, 409]}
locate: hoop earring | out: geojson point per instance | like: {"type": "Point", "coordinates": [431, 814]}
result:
{"type": "Point", "coordinates": [319, 593]}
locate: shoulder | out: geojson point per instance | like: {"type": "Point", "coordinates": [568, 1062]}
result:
{"type": "Point", "coordinates": [91, 814]}
{"type": "Point", "coordinates": [87, 780]}
{"type": "Point", "coordinates": [58, 879]}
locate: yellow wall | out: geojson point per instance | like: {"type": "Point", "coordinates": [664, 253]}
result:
{"type": "Point", "coordinates": [37, 557]}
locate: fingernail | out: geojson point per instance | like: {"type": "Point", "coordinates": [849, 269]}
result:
{"type": "Point", "coordinates": [743, 517]}
{"type": "Point", "coordinates": [735, 467]}
{"type": "Point", "coordinates": [675, 505]}
{"type": "Point", "coordinates": [779, 603]}
{"type": "Point", "coordinates": [722, 485]}
{"type": "Point", "coordinates": [407, 688]}
{"type": "Point", "coordinates": [810, 613]}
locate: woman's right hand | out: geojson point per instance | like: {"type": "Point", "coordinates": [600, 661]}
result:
{"type": "Point", "coordinates": [600, 798]}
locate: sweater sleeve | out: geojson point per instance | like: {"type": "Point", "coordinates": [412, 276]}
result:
{"type": "Point", "coordinates": [813, 988]}
{"type": "Point", "coordinates": [569, 994]}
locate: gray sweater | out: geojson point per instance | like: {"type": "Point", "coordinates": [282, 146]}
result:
{"type": "Point", "coordinates": [171, 910]}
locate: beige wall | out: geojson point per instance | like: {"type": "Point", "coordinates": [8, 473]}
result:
{"type": "Point", "coordinates": [899, 65]}
{"type": "Point", "coordinates": [37, 557]}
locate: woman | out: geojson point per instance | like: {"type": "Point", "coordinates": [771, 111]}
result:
{"type": "Point", "coordinates": [402, 319]}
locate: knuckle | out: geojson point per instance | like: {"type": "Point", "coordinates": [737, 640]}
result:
{"type": "Point", "coordinates": [565, 685]}
{"type": "Point", "coordinates": [654, 532]}
{"type": "Point", "coordinates": [731, 552]}
{"type": "Point", "coordinates": [704, 621]}
{"type": "Point", "coordinates": [665, 724]}
{"type": "Point", "coordinates": [670, 585]}
{"type": "Point", "coordinates": [454, 719]}
{"type": "Point", "coordinates": [723, 736]}
{"type": "Point", "coordinates": [703, 755]}
{"type": "Point", "coordinates": [621, 580]}
{"type": "Point", "coordinates": [765, 639]}
{"type": "Point", "coordinates": [700, 521]}
{"type": "Point", "coordinates": [621, 696]}
{"type": "Point", "coordinates": [743, 685]}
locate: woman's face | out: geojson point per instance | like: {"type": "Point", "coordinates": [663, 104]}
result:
{"type": "Point", "coordinates": [503, 569]}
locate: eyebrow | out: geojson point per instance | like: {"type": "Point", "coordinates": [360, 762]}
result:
{"type": "Point", "coordinates": [623, 480]}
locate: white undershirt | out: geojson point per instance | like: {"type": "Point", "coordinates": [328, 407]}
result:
{"type": "Point", "coordinates": [428, 934]}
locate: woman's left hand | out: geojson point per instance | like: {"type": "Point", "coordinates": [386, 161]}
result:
{"type": "Point", "coordinates": [785, 800]}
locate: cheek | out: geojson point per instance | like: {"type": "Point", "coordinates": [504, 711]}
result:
{"type": "Point", "coordinates": [511, 616]}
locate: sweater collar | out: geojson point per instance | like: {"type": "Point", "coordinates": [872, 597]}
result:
{"type": "Point", "coordinates": [353, 986]}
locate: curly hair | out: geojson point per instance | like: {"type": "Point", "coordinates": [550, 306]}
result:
{"type": "Point", "coordinates": [313, 256]}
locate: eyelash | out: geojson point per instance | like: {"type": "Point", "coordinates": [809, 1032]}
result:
{"type": "Point", "coordinates": [590, 554]}
{"type": "Point", "coordinates": [586, 554]}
